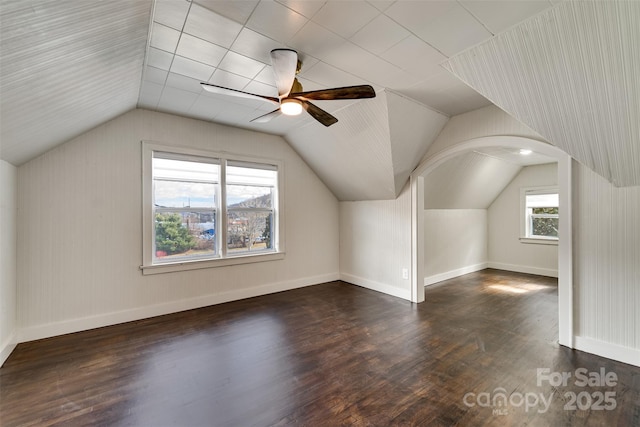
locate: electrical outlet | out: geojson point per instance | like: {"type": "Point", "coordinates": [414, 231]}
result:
{"type": "Point", "coordinates": [405, 273]}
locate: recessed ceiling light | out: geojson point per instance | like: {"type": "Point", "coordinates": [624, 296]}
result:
{"type": "Point", "coordinates": [525, 152]}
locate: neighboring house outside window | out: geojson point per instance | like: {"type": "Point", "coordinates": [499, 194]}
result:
{"type": "Point", "coordinates": [539, 215]}
{"type": "Point", "coordinates": [204, 210]}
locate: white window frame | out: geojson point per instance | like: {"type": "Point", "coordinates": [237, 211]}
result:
{"type": "Point", "coordinates": [221, 258]}
{"type": "Point", "coordinates": [525, 223]}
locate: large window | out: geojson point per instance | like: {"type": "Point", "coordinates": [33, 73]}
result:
{"type": "Point", "coordinates": [203, 209]}
{"type": "Point", "coordinates": [540, 213]}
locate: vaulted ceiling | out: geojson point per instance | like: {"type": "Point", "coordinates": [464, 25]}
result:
{"type": "Point", "coordinates": [67, 66]}
{"type": "Point", "coordinates": [572, 73]}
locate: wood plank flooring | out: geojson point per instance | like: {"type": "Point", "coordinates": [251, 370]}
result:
{"type": "Point", "coordinates": [327, 355]}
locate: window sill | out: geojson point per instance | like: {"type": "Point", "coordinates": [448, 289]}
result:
{"type": "Point", "coordinates": [539, 241]}
{"type": "Point", "coordinates": [210, 263]}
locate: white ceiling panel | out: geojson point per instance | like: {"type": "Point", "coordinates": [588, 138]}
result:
{"type": "Point", "coordinates": [230, 80]}
{"type": "Point", "coordinates": [241, 65]}
{"type": "Point", "coordinates": [164, 38]}
{"type": "Point", "coordinates": [179, 81]}
{"type": "Point", "coordinates": [266, 76]}
{"type": "Point", "coordinates": [150, 94]}
{"type": "Point", "coordinates": [329, 76]}
{"type": "Point", "coordinates": [306, 8]}
{"type": "Point", "coordinates": [255, 45]}
{"type": "Point", "coordinates": [210, 26]}
{"type": "Point", "coordinates": [381, 5]}
{"type": "Point", "coordinates": [171, 13]}
{"type": "Point", "coordinates": [499, 15]}
{"type": "Point", "coordinates": [191, 68]}
{"type": "Point", "coordinates": [316, 40]}
{"type": "Point", "coordinates": [469, 31]}
{"type": "Point", "coordinates": [415, 56]}
{"type": "Point", "coordinates": [418, 16]}
{"type": "Point", "coordinates": [275, 21]}
{"type": "Point", "coordinates": [380, 35]}
{"type": "Point", "coordinates": [238, 11]}
{"type": "Point", "coordinates": [206, 108]}
{"type": "Point", "coordinates": [155, 75]}
{"type": "Point", "coordinates": [262, 89]}
{"type": "Point", "coordinates": [176, 100]}
{"type": "Point", "coordinates": [345, 18]}
{"type": "Point", "coordinates": [200, 50]}
{"type": "Point", "coordinates": [159, 58]}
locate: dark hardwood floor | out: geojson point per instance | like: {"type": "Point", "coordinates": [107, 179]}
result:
{"type": "Point", "coordinates": [327, 355]}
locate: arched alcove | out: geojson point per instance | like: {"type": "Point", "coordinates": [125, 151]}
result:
{"type": "Point", "coordinates": [565, 294]}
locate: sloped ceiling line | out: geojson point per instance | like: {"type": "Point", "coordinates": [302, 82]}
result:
{"type": "Point", "coordinates": [572, 75]}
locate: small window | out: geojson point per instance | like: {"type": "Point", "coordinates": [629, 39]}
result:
{"type": "Point", "coordinates": [205, 210]}
{"type": "Point", "coordinates": [541, 213]}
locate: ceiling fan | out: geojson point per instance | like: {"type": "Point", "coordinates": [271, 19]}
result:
{"type": "Point", "coordinates": [291, 99]}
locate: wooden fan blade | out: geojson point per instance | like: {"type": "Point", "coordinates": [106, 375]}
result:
{"type": "Point", "coordinates": [348, 92]}
{"type": "Point", "coordinates": [284, 63]}
{"type": "Point", "coordinates": [267, 117]}
{"type": "Point", "coordinates": [319, 114]}
{"type": "Point", "coordinates": [237, 93]}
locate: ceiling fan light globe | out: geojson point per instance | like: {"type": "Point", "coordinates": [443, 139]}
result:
{"type": "Point", "coordinates": [291, 107]}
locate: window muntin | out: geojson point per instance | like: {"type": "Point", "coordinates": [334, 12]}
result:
{"type": "Point", "coordinates": [185, 193]}
{"type": "Point", "coordinates": [541, 215]}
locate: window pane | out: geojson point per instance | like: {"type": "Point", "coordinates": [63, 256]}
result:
{"type": "Point", "coordinates": [251, 175]}
{"type": "Point", "coordinates": [547, 227]}
{"type": "Point", "coordinates": [542, 200]}
{"type": "Point", "coordinates": [186, 170]}
{"type": "Point", "coordinates": [249, 231]}
{"type": "Point", "coordinates": [247, 196]}
{"type": "Point", "coordinates": [177, 194]}
{"type": "Point", "coordinates": [184, 235]}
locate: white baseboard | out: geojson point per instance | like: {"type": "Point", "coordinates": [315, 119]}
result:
{"type": "Point", "coordinates": [524, 269]}
{"type": "Point", "coordinates": [108, 319]}
{"type": "Point", "coordinates": [377, 286]}
{"type": "Point", "coordinates": [7, 347]}
{"type": "Point", "coordinates": [622, 354]}
{"type": "Point", "coordinates": [430, 280]}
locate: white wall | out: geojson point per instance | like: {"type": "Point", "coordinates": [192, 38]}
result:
{"type": "Point", "coordinates": [8, 217]}
{"type": "Point", "coordinates": [80, 229]}
{"type": "Point", "coordinates": [506, 251]}
{"type": "Point", "coordinates": [455, 243]}
{"type": "Point", "coordinates": [375, 244]}
{"type": "Point", "coordinates": [607, 271]}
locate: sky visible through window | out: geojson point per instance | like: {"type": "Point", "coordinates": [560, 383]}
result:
{"type": "Point", "coordinates": [183, 183]}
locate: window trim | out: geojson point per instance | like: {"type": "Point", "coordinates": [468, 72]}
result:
{"type": "Point", "coordinates": [524, 237]}
{"type": "Point", "coordinates": [222, 259]}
